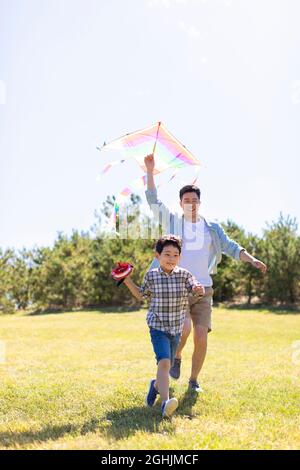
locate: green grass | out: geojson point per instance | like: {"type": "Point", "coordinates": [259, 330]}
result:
{"type": "Point", "coordinates": [78, 381]}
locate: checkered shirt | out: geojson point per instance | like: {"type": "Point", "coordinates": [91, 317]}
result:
{"type": "Point", "coordinates": [168, 298]}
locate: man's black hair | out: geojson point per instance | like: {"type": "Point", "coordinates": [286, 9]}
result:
{"type": "Point", "coordinates": [168, 240]}
{"type": "Point", "coordinates": [190, 188]}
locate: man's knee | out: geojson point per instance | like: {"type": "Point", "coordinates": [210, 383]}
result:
{"type": "Point", "coordinates": [200, 334]}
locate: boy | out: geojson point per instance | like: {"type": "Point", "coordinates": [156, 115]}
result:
{"type": "Point", "coordinates": [168, 287]}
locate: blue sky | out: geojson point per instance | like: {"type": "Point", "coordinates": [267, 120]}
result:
{"type": "Point", "coordinates": [223, 75]}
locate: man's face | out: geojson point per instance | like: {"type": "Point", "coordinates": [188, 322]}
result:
{"type": "Point", "coordinates": [190, 204]}
{"type": "Point", "coordinates": [168, 258]}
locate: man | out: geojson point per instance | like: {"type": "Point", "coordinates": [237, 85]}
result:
{"type": "Point", "coordinates": [203, 245]}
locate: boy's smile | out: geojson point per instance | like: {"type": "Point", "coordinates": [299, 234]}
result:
{"type": "Point", "coordinates": [169, 258]}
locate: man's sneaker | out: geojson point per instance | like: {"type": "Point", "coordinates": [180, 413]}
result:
{"type": "Point", "coordinates": [152, 394]}
{"type": "Point", "coordinates": [168, 407]}
{"type": "Point", "coordinates": [194, 386]}
{"type": "Point", "coordinates": [175, 369]}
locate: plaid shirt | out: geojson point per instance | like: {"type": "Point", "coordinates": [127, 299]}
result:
{"type": "Point", "coordinates": [168, 298]}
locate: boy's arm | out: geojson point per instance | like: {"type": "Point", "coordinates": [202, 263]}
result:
{"type": "Point", "coordinates": [139, 293]}
{"type": "Point", "coordinates": [194, 286]}
{"type": "Point", "coordinates": [134, 289]}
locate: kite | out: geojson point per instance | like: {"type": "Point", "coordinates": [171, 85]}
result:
{"type": "Point", "coordinates": [156, 140]}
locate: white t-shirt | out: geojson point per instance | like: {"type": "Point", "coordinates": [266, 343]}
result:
{"type": "Point", "coordinates": [196, 244]}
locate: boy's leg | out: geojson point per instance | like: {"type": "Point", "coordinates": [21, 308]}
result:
{"type": "Point", "coordinates": [164, 346]}
{"type": "Point", "coordinates": [162, 379]}
{"type": "Point", "coordinates": [170, 405]}
{"type": "Point", "coordinates": [162, 349]}
{"type": "Point", "coordinates": [187, 326]}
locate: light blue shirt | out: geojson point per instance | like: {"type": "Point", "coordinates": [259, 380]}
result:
{"type": "Point", "coordinates": [220, 242]}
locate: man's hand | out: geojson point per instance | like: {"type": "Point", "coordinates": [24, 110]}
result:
{"type": "Point", "coordinates": [259, 265]}
{"type": "Point", "coordinates": [198, 290]}
{"type": "Point", "coordinates": [245, 256]}
{"type": "Point", "coordinates": [149, 163]}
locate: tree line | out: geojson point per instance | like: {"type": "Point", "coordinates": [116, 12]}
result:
{"type": "Point", "coordinates": [75, 271]}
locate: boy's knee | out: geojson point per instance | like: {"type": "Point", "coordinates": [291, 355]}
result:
{"type": "Point", "coordinates": [164, 364]}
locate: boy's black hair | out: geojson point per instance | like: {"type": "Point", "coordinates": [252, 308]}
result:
{"type": "Point", "coordinates": [168, 240]}
{"type": "Point", "coordinates": [190, 188]}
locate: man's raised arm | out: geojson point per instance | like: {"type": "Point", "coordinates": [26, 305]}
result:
{"type": "Point", "coordinates": [149, 163]}
{"type": "Point", "coordinates": [158, 208]}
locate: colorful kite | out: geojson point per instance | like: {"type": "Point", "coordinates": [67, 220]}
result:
{"type": "Point", "coordinates": [156, 140]}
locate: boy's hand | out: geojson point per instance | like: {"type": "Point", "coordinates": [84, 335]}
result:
{"type": "Point", "coordinates": [198, 290]}
{"type": "Point", "coordinates": [149, 163]}
{"type": "Point", "coordinates": [121, 271]}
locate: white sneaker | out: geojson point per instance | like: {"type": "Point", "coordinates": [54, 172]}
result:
{"type": "Point", "coordinates": [168, 407]}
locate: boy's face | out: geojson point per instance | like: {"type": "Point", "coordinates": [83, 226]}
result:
{"type": "Point", "coordinates": [169, 258]}
{"type": "Point", "coordinates": [190, 204]}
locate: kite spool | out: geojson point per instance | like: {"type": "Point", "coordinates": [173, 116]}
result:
{"type": "Point", "coordinates": [121, 271]}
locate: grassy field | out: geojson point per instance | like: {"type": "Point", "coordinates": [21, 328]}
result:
{"type": "Point", "coordinates": [78, 381]}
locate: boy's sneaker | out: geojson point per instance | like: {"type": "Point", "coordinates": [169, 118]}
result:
{"type": "Point", "coordinates": [168, 407]}
{"type": "Point", "coordinates": [175, 369]}
{"type": "Point", "coordinates": [194, 386]}
{"type": "Point", "coordinates": [152, 394]}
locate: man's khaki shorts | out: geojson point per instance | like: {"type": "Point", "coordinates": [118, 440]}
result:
{"type": "Point", "coordinates": [200, 308]}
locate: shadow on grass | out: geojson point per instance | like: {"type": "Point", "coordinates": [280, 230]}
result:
{"type": "Point", "coordinates": [115, 424]}
{"type": "Point", "coordinates": [100, 310]}
{"type": "Point", "coordinates": [123, 423]}
{"type": "Point", "coordinates": [12, 439]}
{"type": "Point", "coordinates": [278, 310]}
{"type": "Point", "coordinates": [118, 424]}
{"type": "Point", "coordinates": [186, 403]}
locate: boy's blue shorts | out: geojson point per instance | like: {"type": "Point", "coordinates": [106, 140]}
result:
{"type": "Point", "coordinates": [164, 344]}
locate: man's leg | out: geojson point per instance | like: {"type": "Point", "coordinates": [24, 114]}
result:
{"type": "Point", "coordinates": [200, 348]}
{"type": "Point", "coordinates": [201, 318]}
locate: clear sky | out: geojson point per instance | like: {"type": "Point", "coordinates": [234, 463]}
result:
{"type": "Point", "coordinates": [223, 75]}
